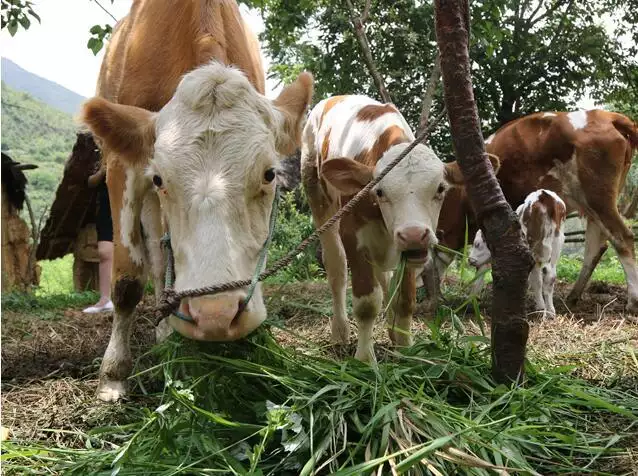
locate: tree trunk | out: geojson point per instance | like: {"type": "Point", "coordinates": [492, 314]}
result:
{"type": "Point", "coordinates": [511, 259]}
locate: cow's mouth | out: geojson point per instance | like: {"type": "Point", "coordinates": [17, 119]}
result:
{"type": "Point", "coordinates": [416, 257]}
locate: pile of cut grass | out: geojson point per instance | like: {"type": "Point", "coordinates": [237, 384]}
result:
{"type": "Point", "coordinates": [256, 408]}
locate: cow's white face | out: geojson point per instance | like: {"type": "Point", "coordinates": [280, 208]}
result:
{"type": "Point", "coordinates": [480, 254]}
{"type": "Point", "coordinates": [216, 145]}
{"type": "Point", "coordinates": [409, 197]}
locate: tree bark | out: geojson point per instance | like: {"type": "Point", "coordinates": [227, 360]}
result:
{"type": "Point", "coordinates": [511, 258]}
{"type": "Point", "coordinates": [632, 207]}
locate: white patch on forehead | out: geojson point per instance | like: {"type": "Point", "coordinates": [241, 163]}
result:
{"type": "Point", "coordinates": [536, 195]}
{"type": "Point", "coordinates": [549, 114]}
{"type": "Point", "coordinates": [209, 188]}
{"type": "Point", "coordinates": [578, 119]}
{"type": "Point", "coordinates": [127, 219]}
{"type": "Point", "coordinates": [490, 139]}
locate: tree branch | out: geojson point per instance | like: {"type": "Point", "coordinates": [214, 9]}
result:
{"type": "Point", "coordinates": [428, 96]}
{"type": "Point", "coordinates": [362, 38]}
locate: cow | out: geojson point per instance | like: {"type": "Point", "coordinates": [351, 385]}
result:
{"type": "Point", "coordinates": [346, 142]}
{"type": "Point", "coordinates": [584, 157]}
{"type": "Point", "coordinates": [542, 218]}
{"type": "Point", "coordinates": [190, 145]}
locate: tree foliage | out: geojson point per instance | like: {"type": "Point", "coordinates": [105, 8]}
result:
{"type": "Point", "coordinates": [528, 55]}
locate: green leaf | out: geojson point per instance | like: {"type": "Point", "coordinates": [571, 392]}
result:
{"type": "Point", "coordinates": [12, 27]}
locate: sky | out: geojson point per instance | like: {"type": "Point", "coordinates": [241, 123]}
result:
{"type": "Point", "coordinates": [56, 48]}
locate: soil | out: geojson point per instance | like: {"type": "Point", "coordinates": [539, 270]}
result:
{"type": "Point", "coordinates": [49, 367]}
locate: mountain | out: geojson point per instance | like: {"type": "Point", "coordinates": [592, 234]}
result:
{"type": "Point", "coordinates": [36, 133]}
{"type": "Point", "coordinates": [47, 91]}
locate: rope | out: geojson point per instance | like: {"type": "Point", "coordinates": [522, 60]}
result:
{"type": "Point", "coordinates": [171, 299]}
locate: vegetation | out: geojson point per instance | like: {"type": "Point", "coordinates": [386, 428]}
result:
{"type": "Point", "coordinates": [257, 408]}
{"type": "Point", "coordinates": [35, 133]}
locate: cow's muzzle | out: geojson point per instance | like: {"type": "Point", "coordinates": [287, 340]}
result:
{"type": "Point", "coordinates": [217, 318]}
{"type": "Point", "coordinates": [414, 243]}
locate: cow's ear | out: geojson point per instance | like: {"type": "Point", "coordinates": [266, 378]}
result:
{"type": "Point", "coordinates": [126, 130]}
{"type": "Point", "coordinates": [293, 103]}
{"type": "Point", "coordinates": [453, 174]}
{"type": "Point", "coordinates": [346, 175]}
{"type": "Point", "coordinates": [495, 161]}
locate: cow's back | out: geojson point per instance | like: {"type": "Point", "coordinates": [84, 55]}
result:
{"type": "Point", "coordinates": [159, 41]}
{"type": "Point", "coordinates": [356, 127]}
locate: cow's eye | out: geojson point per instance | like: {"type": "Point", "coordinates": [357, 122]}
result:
{"type": "Point", "coordinates": [379, 193]}
{"type": "Point", "coordinates": [269, 175]}
{"type": "Point", "coordinates": [441, 189]}
{"type": "Point", "coordinates": [157, 180]}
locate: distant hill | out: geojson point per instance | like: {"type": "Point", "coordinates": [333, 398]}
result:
{"type": "Point", "coordinates": [47, 91]}
{"type": "Point", "coordinates": [35, 133]}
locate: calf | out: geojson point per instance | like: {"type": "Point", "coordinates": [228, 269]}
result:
{"type": "Point", "coordinates": [542, 218]}
{"type": "Point", "coordinates": [584, 157]}
{"type": "Point", "coordinates": [346, 142]}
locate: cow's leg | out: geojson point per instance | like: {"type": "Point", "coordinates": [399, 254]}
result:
{"type": "Point", "coordinates": [432, 276]}
{"type": "Point", "coordinates": [128, 275]}
{"type": "Point", "coordinates": [333, 254]}
{"type": "Point", "coordinates": [400, 319]}
{"type": "Point", "coordinates": [549, 273]}
{"type": "Point", "coordinates": [384, 278]}
{"type": "Point", "coordinates": [536, 287]}
{"type": "Point", "coordinates": [622, 238]}
{"type": "Point", "coordinates": [367, 300]}
{"type": "Point", "coordinates": [334, 260]}
{"type": "Point", "coordinates": [595, 247]}
{"type": "Point", "coordinates": [477, 285]}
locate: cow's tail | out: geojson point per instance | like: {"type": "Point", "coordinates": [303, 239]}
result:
{"type": "Point", "coordinates": [627, 128]}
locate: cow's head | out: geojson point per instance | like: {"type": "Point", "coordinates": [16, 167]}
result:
{"type": "Point", "coordinates": [409, 197]}
{"type": "Point", "coordinates": [480, 254]}
{"type": "Point", "coordinates": [210, 154]}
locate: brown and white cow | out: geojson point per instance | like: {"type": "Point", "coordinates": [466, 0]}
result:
{"type": "Point", "coordinates": [584, 157]}
{"type": "Point", "coordinates": [347, 141]}
{"type": "Point", "coordinates": [202, 166]}
{"type": "Point", "coordinates": [542, 218]}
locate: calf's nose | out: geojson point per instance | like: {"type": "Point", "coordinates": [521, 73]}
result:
{"type": "Point", "coordinates": [214, 318]}
{"type": "Point", "coordinates": [413, 238]}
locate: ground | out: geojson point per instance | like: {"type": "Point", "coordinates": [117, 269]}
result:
{"type": "Point", "coordinates": [49, 366]}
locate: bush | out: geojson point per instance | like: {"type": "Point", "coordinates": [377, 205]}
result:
{"type": "Point", "coordinates": [292, 228]}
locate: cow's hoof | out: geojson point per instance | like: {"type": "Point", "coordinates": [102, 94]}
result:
{"type": "Point", "coordinates": [162, 331]}
{"type": "Point", "coordinates": [340, 332]}
{"type": "Point", "coordinates": [111, 391]}
{"type": "Point", "coordinates": [366, 354]}
{"type": "Point", "coordinates": [400, 338]}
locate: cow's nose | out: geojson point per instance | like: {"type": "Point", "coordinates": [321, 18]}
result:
{"type": "Point", "coordinates": [472, 262]}
{"type": "Point", "coordinates": [215, 318]}
{"type": "Point", "coordinates": [413, 238]}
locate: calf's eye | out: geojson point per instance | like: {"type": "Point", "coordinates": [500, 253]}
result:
{"type": "Point", "coordinates": [269, 175]}
{"type": "Point", "coordinates": [441, 189]}
{"type": "Point", "coordinates": [157, 180]}
{"type": "Point", "coordinates": [379, 193]}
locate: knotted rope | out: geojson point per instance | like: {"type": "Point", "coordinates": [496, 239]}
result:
{"type": "Point", "coordinates": [170, 298]}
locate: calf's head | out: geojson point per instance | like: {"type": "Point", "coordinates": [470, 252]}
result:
{"type": "Point", "coordinates": [409, 196]}
{"type": "Point", "coordinates": [210, 155]}
{"type": "Point", "coordinates": [480, 254]}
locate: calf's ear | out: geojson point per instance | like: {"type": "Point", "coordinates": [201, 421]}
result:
{"type": "Point", "coordinates": [346, 175]}
{"type": "Point", "coordinates": [293, 103]}
{"type": "Point", "coordinates": [453, 172]}
{"type": "Point", "coordinates": [128, 131]}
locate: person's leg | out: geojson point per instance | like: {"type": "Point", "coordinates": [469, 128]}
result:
{"type": "Point", "coordinates": [105, 252]}
{"type": "Point", "coordinates": [104, 226]}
